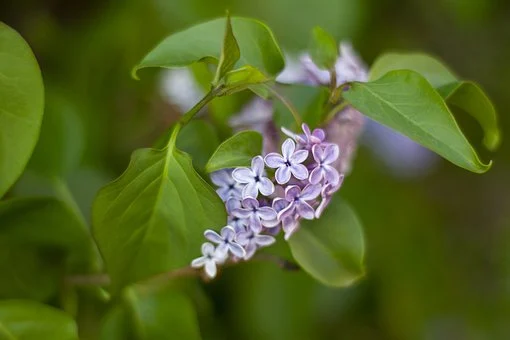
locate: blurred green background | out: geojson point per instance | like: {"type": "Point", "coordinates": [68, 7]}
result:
{"type": "Point", "coordinates": [438, 246]}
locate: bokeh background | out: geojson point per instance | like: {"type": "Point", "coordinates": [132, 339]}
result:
{"type": "Point", "coordinates": [438, 240]}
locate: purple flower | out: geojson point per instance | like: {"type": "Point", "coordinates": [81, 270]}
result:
{"type": "Point", "coordinates": [326, 194]}
{"type": "Point", "coordinates": [211, 257]}
{"type": "Point", "coordinates": [297, 199]}
{"type": "Point", "coordinates": [254, 179]}
{"type": "Point", "coordinates": [227, 186]}
{"type": "Point", "coordinates": [308, 139]}
{"type": "Point", "coordinates": [257, 216]}
{"type": "Point", "coordinates": [252, 241]}
{"type": "Point", "coordinates": [290, 223]}
{"type": "Point", "coordinates": [324, 158]}
{"type": "Point", "coordinates": [239, 224]}
{"type": "Point", "coordinates": [226, 241]}
{"type": "Point", "coordinates": [288, 163]}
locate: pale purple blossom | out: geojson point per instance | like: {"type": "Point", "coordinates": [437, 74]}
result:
{"type": "Point", "coordinates": [254, 179]}
{"type": "Point", "coordinates": [308, 139]}
{"type": "Point", "coordinates": [227, 186]}
{"type": "Point", "coordinates": [210, 258]}
{"type": "Point", "coordinates": [298, 201]}
{"type": "Point", "coordinates": [256, 215]}
{"type": "Point", "coordinates": [324, 157]}
{"type": "Point", "coordinates": [239, 224]}
{"type": "Point", "coordinates": [226, 241]}
{"type": "Point", "coordinates": [289, 163]}
{"type": "Point", "coordinates": [326, 195]}
{"type": "Point", "coordinates": [290, 223]}
{"type": "Point", "coordinates": [251, 241]}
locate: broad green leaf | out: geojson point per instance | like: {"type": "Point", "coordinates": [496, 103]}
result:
{"type": "Point", "coordinates": [152, 218]}
{"type": "Point", "coordinates": [323, 49]}
{"type": "Point", "coordinates": [40, 240]}
{"type": "Point", "coordinates": [430, 68]}
{"type": "Point", "coordinates": [165, 314]}
{"type": "Point", "coordinates": [244, 78]}
{"type": "Point", "coordinates": [61, 141]}
{"type": "Point", "coordinates": [405, 101]}
{"type": "Point", "coordinates": [236, 151]}
{"type": "Point", "coordinates": [203, 43]}
{"type": "Point", "coordinates": [21, 105]}
{"type": "Point", "coordinates": [230, 52]}
{"type": "Point", "coordinates": [331, 249]}
{"type": "Point", "coordinates": [199, 139]}
{"type": "Point", "coordinates": [469, 97]}
{"type": "Point", "coordinates": [29, 320]}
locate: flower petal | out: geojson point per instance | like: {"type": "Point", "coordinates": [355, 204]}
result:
{"type": "Point", "coordinates": [257, 165]}
{"type": "Point", "coordinates": [266, 213]}
{"type": "Point", "coordinates": [299, 156]}
{"type": "Point", "coordinates": [224, 193]}
{"type": "Point", "coordinates": [243, 175]}
{"type": "Point", "coordinates": [210, 269]}
{"type": "Point", "coordinates": [282, 175]}
{"type": "Point", "coordinates": [331, 175]}
{"type": "Point", "coordinates": [316, 175]}
{"type": "Point", "coordinates": [305, 211]}
{"type": "Point", "coordinates": [212, 236]}
{"type": "Point", "coordinates": [250, 190]}
{"type": "Point", "coordinates": [319, 134]}
{"type": "Point", "coordinates": [255, 224]}
{"type": "Point", "coordinates": [318, 153]}
{"type": "Point", "coordinates": [244, 238]}
{"type": "Point", "coordinates": [242, 213]}
{"type": "Point", "coordinates": [264, 240]}
{"type": "Point", "coordinates": [288, 148]}
{"type": "Point", "coordinates": [228, 233]}
{"type": "Point", "coordinates": [251, 248]}
{"type": "Point", "coordinates": [292, 192]}
{"type": "Point", "coordinates": [199, 262]}
{"type": "Point", "coordinates": [306, 130]}
{"type": "Point", "coordinates": [221, 177]}
{"type": "Point", "coordinates": [274, 160]}
{"type": "Point", "coordinates": [232, 203]}
{"type": "Point", "coordinates": [299, 171]}
{"type": "Point", "coordinates": [250, 203]}
{"type": "Point", "coordinates": [279, 204]}
{"type": "Point", "coordinates": [265, 186]}
{"type": "Point", "coordinates": [289, 225]}
{"type": "Point", "coordinates": [288, 211]}
{"type": "Point", "coordinates": [310, 192]}
{"type": "Point", "coordinates": [331, 153]}
{"type": "Point", "coordinates": [237, 250]}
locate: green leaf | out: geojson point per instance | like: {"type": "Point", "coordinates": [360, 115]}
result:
{"type": "Point", "coordinates": [165, 314]}
{"type": "Point", "coordinates": [45, 240]}
{"type": "Point", "coordinates": [469, 97]}
{"type": "Point", "coordinates": [199, 139]}
{"type": "Point", "coordinates": [405, 101]}
{"type": "Point", "coordinates": [230, 52]}
{"type": "Point", "coordinates": [331, 249]}
{"type": "Point", "coordinates": [236, 151]}
{"type": "Point", "coordinates": [61, 141]}
{"type": "Point", "coordinates": [152, 218]}
{"type": "Point", "coordinates": [203, 43]}
{"type": "Point", "coordinates": [323, 49]}
{"type": "Point", "coordinates": [244, 78]}
{"type": "Point", "coordinates": [430, 68]}
{"type": "Point", "coordinates": [21, 105]}
{"type": "Point", "coordinates": [29, 320]}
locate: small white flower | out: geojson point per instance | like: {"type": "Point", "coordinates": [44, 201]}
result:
{"type": "Point", "coordinates": [225, 241]}
{"type": "Point", "coordinates": [227, 186]}
{"type": "Point", "coordinates": [211, 257]}
{"type": "Point", "coordinates": [289, 163]}
{"type": "Point", "coordinates": [256, 215]}
{"type": "Point", "coordinates": [254, 179]}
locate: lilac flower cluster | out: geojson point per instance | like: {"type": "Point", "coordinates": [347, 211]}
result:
{"type": "Point", "coordinates": [274, 194]}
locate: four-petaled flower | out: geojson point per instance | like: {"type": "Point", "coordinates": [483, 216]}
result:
{"type": "Point", "coordinates": [323, 158]}
{"type": "Point", "coordinates": [257, 216]}
{"type": "Point", "coordinates": [308, 139]}
{"type": "Point", "coordinates": [227, 185]}
{"type": "Point", "coordinates": [288, 163]}
{"type": "Point", "coordinates": [326, 194]}
{"type": "Point", "coordinates": [239, 224]}
{"type": "Point", "coordinates": [290, 222]}
{"type": "Point", "coordinates": [252, 241]}
{"type": "Point", "coordinates": [226, 241]}
{"type": "Point", "coordinates": [211, 257]}
{"type": "Point", "coordinates": [297, 199]}
{"type": "Point", "coordinates": [254, 179]}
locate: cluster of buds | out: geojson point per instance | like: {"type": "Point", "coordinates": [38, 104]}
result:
{"type": "Point", "coordinates": [272, 195]}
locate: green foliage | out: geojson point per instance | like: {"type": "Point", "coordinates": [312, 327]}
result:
{"type": "Point", "coordinates": [145, 314]}
{"type": "Point", "coordinates": [243, 78]}
{"type": "Point", "coordinates": [151, 219]}
{"type": "Point", "coordinates": [230, 53]}
{"type": "Point", "coordinates": [469, 97]}
{"type": "Point", "coordinates": [405, 101]}
{"type": "Point", "coordinates": [28, 320]}
{"type": "Point", "coordinates": [430, 68]}
{"type": "Point", "coordinates": [21, 105]}
{"type": "Point", "coordinates": [323, 49]}
{"type": "Point", "coordinates": [202, 43]}
{"type": "Point", "coordinates": [331, 249]}
{"type": "Point", "coordinates": [46, 241]}
{"type": "Point", "coordinates": [236, 151]}
{"type": "Point", "coordinates": [198, 139]}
